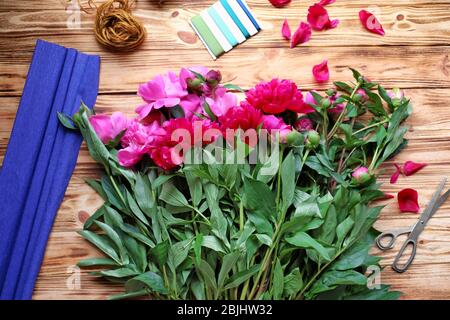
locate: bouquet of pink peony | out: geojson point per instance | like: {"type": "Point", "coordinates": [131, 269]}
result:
{"type": "Point", "coordinates": [267, 198]}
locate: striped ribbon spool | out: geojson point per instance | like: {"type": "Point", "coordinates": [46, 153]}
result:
{"type": "Point", "coordinates": [224, 25]}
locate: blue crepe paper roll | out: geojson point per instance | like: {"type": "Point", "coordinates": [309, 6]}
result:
{"type": "Point", "coordinates": [39, 161]}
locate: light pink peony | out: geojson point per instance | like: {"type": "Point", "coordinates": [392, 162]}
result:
{"type": "Point", "coordinates": [163, 91]}
{"type": "Point", "coordinates": [107, 127]}
{"type": "Point", "coordinates": [275, 126]}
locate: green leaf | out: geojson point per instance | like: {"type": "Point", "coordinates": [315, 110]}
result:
{"type": "Point", "coordinates": [171, 195]}
{"type": "Point", "coordinates": [97, 214]}
{"type": "Point", "coordinates": [117, 273]}
{"type": "Point", "coordinates": [228, 262]}
{"type": "Point", "coordinates": [208, 111]}
{"type": "Point", "coordinates": [96, 185]}
{"type": "Point", "coordinates": [113, 197]}
{"type": "Point", "coordinates": [293, 283]}
{"type": "Point", "coordinates": [178, 252]}
{"type": "Point", "coordinates": [288, 180]}
{"type": "Point", "coordinates": [241, 277]}
{"type": "Point", "coordinates": [94, 262]}
{"type": "Point", "coordinates": [343, 229]}
{"type": "Point", "coordinates": [198, 247]}
{"type": "Point", "coordinates": [206, 273]}
{"type": "Point", "coordinates": [128, 295]}
{"type": "Point", "coordinates": [328, 229]}
{"type": "Point", "coordinates": [160, 252]}
{"type": "Point", "coordinates": [195, 187]}
{"type": "Point", "coordinates": [143, 193]}
{"type": "Point", "coordinates": [331, 279]}
{"type": "Point", "coordinates": [137, 234]}
{"type": "Point", "coordinates": [66, 121]}
{"type": "Point", "coordinates": [384, 95]}
{"type": "Point", "coordinates": [218, 220]}
{"type": "Point", "coordinates": [101, 243]}
{"type": "Point", "coordinates": [150, 280]}
{"type": "Point", "coordinates": [137, 252]}
{"type": "Point", "coordinates": [278, 280]}
{"type": "Point", "coordinates": [233, 87]}
{"type": "Point", "coordinates": [356, 74]}
{"type": "Point", "coordinates": [305, 241]}
{"type": "Point", "coordinates": [258, 198]}
{"type": "Point", "coordinates": [343, 86]}
{"type": "Point", "coordinates": [213, 243]}
{"type": "Point", "coordinates": [135, 208]}
{"type": "Point", "coordinates": [112, 234]}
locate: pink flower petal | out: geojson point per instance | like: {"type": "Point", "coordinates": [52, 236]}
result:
{"type": "Point", "coordinates": [279, 3]}
{"type": "Point", "coordinates": [318, 18]}
{"type": "Point", "coordinates": [301, 35]}
{"type": "Point", "coordinates": [286, 30]}
{"type": "Point", "coordinates": [411, 167]}
{"type": "Point", "coordinates": [408, 200]}
{"type": "Point", "coordinates": [370, 22]}
{"type": "Point", "coordinates": [326, 2]}
{"type": "Point", "coordinates": [321, 72]}
{"type": "Point", "coordinates": [396, 174]}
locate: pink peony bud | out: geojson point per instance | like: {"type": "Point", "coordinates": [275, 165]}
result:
{"type": "Point", "coordinates": [213, 78]}
{"type": "Point", "coordinates": [361, 175]}
{"type": "Point", "coordinates": [304, 124]}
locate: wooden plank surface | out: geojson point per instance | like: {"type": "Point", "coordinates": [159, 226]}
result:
{"type": "Point", "coordinates": [413, 55]}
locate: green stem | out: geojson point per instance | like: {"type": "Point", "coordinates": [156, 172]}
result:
{"type": "Point", "coordinates": [342, 115]}
{"type": "Point", "coordinates": [370, 126]}
{"type": "Point", "coordinates": [116, 187]}
{"type": "Point", "coordinates": [241, 216]}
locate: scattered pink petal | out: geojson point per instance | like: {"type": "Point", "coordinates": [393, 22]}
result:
{"type": "Point", "coordinates": [408, 200]}
{"type": "Point", "coordinates": [321, 72]}
{"type": "Point", "coordinates": [279, 3]}
{"type": "Point", "coordinates": [396, 174]}
{"type": "Point", "coordinates": [318, 18]}
{"type": "Point", "coordinates": [286, 30]}
{"type": "Point", "coordinates": [411, 167]}
{"type": "Point", "coordinates": [301, 35]}
{"type": "Point", "coordinates": [370, 22]}
{"type": "Point", "coordinates": [326, 2]}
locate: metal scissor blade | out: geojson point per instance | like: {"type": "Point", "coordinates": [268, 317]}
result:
{"type": "Point", "coordinates": [433, 206]}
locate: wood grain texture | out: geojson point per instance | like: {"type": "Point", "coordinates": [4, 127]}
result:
{"type": "Point", "coordinates": [413, 55]}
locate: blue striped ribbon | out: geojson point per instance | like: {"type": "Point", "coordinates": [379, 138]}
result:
{"type": "Point", "coordinates": [222, 26]}
{"type": "Point", "coordinates": [249, 15]}
{"type": "Point", "coordinates": [235, 18]}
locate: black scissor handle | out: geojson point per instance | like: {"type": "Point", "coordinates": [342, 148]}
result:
{"type": "Point", "coordinates": [404, 267]}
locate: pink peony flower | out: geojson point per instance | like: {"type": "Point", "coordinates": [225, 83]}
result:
{"type": "Point", "coordinates": [279, 3]}
{"type": "Point", "coordinates": [191, 105]}
{"type": "Point", "coordinates": [304, 124]}
{"type": "Point", "coordinates": [408, 200]}
{"type": "Point", "coordinates": [179, 135]}
{"type": "Point", "coordinates": [107, 127]}
{"type": "Point", "coordinates": [301, 35]}
{"type": "Point", "coordinates": [321, 72]}
{"type": "Point", "coordinates": [242, 117]}
{"type": "Point", "coordinates": [138, 140]}
{"type": "Point", "coordinates": [370, 22]}
{"type": "Point", "coordinates": [276, 97]}
{"type": "Point", "coordinates": [275, 125]}
{"type": "Point", "coordinates": [318, 18]}
{"type": "Point", "coordinates": [221, 101]}
{"type": "Point", "coordinates": [286, 30]}
{"type": "Point", "coordinates": [162, 91]}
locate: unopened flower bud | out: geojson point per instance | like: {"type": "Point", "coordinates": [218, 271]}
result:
{"type": "Point", "coordinates": [360, 95]}
{"type": "Point", "coordinates": [303, 124]}
{"type": "Point", "coordinates": [194, 84]}
{"type": "Point", "coordinates": [325, 103]}
{"type": "Point", "coordinates": [361, 175]}
{"type": "Point", "coordinates": [294, 138]}
{"type": "Point", "coordinates": [396, 96]}
{"type": "Point", "coordinates": [312, 139]}
{"type": "Point", "coordinates": [213, 78]}
{"type": "Point", "coordinates": [330, 92]}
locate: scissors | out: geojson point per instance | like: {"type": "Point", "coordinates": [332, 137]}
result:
{"type": "Point", "coordinates": [436, 201]}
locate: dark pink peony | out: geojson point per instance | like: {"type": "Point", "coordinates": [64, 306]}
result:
{"type": "Point", "coordinates": [318, 18]}
{"type": "Point", "coordinates": [411, 167]}
{"type": "Point", "coordinates": [276, 96]}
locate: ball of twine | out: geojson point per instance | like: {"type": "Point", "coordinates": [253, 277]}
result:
{"type": "Point", "coordinates": [115, 26]}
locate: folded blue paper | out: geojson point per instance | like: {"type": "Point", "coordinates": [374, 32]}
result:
{"type": "Point", "coordinates": [39, 160]}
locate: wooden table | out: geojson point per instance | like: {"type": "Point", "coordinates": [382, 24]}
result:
{"type": "Point", "coordinates": [414, 55]}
